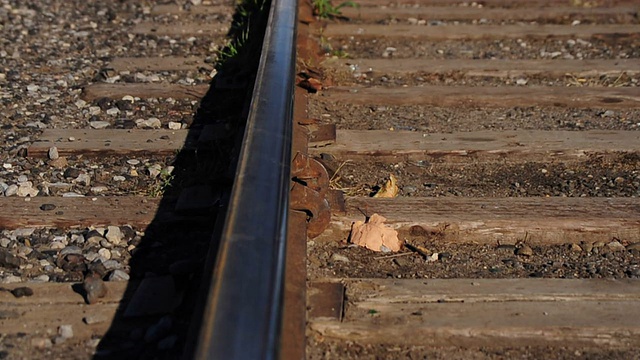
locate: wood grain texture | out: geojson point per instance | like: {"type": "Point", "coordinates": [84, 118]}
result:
{"type": "Point", "coordinates": [511, 146]}
{"type": "Point", "coordinates": [143, 91]}
{"type": "Point", "coordinates": [168, 63]}
{"type": "Point", "coordinates": [89, 142]}
{"type": "Point", "coordinates": [493, 3]}
{"type": "Point", "coordinates": [428, 11]}
{"type": "Point", "coordinates": [510, 312]}
{"type": "Point", "coordinates": [466, 96]}
{"type": "Point", "coordinates": [490, 68]}
{"type": "Point", "coordinates": [553, 220]}
{"type": "Point", "coordinates": [162, 9]}
{"type": "Point", "coordinates": [474, 32]}
{"type": "Point", "coordinates": [55, 304]}
{"type": "Point", "coordinates": [77, 212]}
{"type": "Point", "coordinates": [181, 29]}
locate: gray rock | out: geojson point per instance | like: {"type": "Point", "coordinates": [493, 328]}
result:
{"type": "Point", "coordinates": [9, 260]}
{"type": "Point", "coordinates": [72, 249]}
{"type": "Point", "coordinates": [105, 254]}
{"type": "Point", "coordinates": [114, 235]}
{"type": "Point", "coordinates": [634, 246]}
{"type": "Point", "coordinates": [575, 247]}
{"type": "Point", "coordinates": [99, 124]}
{"type": "Point", "coordinates": [111, 264]}
{"type": "Point", "coordinates": [41, 278]}
{"type": "Point", "coordinates": [118, 275]}
{"type": "Point", "coordinates": [83, 179]}
{"type": "Point", "coordinates": [154, 170]}
{"type": "Point", "coordinates": [56, 245]}
{"type": "Point", "coordinates": [615, 246]}
{"type": "Point", "coordinates": [23, 232]}
{"type": "Point", "coordinates": [106, 244]}
{"type": "Point", "coordinates": [587, 247]}
{"type": "Point", "coordinates": [66, 331]}
{"type": "Point", "coordinates": [77, 239]}
{"type": "Point", "coordinates": [174, 125]}
{"type": "Point", "coordinates": [99, 189]}
{"type": "Point", "coordinates": [4, 242]}
{"type": "Point", "coordinates": [339, 258]}
{"type": "Point", "coordinates": [72, 194]}
{"type": "Point", "coordinates": [53, 153]}
{"type": "Point", "coordinates": [22, 179]}
{"type": "Point", "coordinates": [26, 189]}
{"type": "Point", "coordinates": [153, 123]}
{"type": "Point", "coordinates": [524, 250]}
{"type": "Point", "coordinates": [11, 190]}
{"type": "Point", "coordinates": [11, 279]}
{"type": "Point", "coordinates": [93, 319]}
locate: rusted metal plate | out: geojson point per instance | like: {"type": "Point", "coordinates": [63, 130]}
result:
{"type": "Point", "coordinates": [322, 134]}
{"type": "Point", "coordinates": [294, 319]}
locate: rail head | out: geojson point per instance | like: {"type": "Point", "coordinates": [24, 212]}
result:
{"type": "Point", "coordinates": [243, 312]}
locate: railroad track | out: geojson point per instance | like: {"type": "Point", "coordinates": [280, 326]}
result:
{"type": "Point", "coordinates": [510, 129]}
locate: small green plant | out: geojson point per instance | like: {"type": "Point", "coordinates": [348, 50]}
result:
{"type": "Point", "coordinates": [234, 46]}
{"type": "Point", "coordinates": [325, 10]}
{"type": "Point", "coordinates": [161, 184]}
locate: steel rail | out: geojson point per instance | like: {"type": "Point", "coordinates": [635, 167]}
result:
{"type": "Point", "coordinates": [242, 318]}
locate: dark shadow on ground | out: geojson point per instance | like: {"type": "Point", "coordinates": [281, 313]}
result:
{"type": "Point", "coordinates": [169, 268]}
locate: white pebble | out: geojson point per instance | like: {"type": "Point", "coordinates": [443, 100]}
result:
{"type": "Point", "coordinates": [53, 153]}
{"type": "Point", "coordinates": [105, 253]}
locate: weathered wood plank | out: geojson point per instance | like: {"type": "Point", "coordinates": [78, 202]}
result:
{"type": "Point", "coordinates": [181, 29]}
{"type": "Point", "coordinates": [474, 32]}
{"type": "Point", "coordinates": [77, 212]}
{"type": "Point", "coordinates": [611, 324]}
{"type": "Point", "coordinates": [496, 3]}
{"type": "Point", "coordinates": [55, 304]}
{"type": "Point", "coordinates": [553, 220]}
{"type": "Point", "coordinates": [513, 146]}
{"type": "Point", "coordinates": [477, 13]}
{"type": "Point", "coordinates": [168, 63]}
{"type": "Point", "coordinates": [162, 9]}
{"type": "Point", "coordinates": [510, 312]}
{"type": "Point", "coordinates": [368, 293]}
{"type": "Point", "coordinates": [503, 96]}
{"type": "Point", "coordinates": [90, 142]}
{"type": "Point", "coordinates": [143, 90]}
{"type": "Point", "coordinates": [490, 68]}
